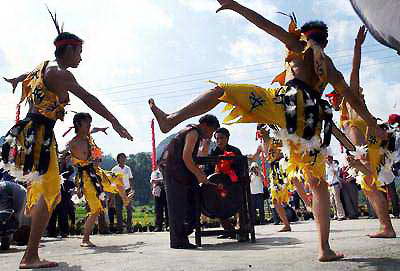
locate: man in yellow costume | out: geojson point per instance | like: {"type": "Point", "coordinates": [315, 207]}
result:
{"type": "Point", "coordinates": [374, 156]}
{"type": "Point", "coordinates": [296, 107]}
{"type": "Point", "coordinates": [30, 148]}
{"type": "Point", "coordinates": [91, 180]}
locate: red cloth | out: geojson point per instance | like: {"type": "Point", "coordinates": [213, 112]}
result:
{"type": "Point", "coordinates": [393, 118]}
{"type": "Point", "coordinates": [153, 147]}
{"type": "Point", "coordinates": [224, 166]}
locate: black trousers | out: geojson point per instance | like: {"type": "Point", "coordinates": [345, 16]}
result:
{"type": "Point", "coordinates": [394, 198]}
{"type": "Point", "coordinates": [349, 193]}
{"type": "Point", "coordinates": [181, 201]}
{"type": "Point", "coordinates": [119, 205]}
{"type": "Point", "coordinates": [60, 214]}
{"type": "Point", "coordinates": [161, 209]}
{"type": "Point", "coordinates": [257, 203]}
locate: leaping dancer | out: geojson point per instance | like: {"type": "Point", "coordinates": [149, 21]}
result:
{"type": "Point", "coordinates": [296, 107]}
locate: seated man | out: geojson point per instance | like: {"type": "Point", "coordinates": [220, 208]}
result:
{"type": "Point", "coordinates": [13, 197]}
{"type": "Point", "coordinates": [222, 135]}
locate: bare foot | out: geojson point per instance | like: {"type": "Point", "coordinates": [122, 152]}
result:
{"type": "Point", "coordinates": [383, 234]}
{"type": "Point", "coordinates": [37, 264]}
{"type": "Point", "coordinates": [285, 229]}
{"type": "Point", "coordinates": [87, 244]}
{"type": "Point", "coordinates": [330, 256]}
{"type": "Point", "coordinates": [161, 117]}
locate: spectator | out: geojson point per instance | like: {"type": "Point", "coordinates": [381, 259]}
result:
{"type": "Point", "coordinates": [349, 193]}
{"type": "Point", "coordinates": [62, 209]}
{"type": "Point", "coordinates": [334, 188]}
{"type": "Point", "coordinates": [122, 168]}
{"type": "Point", "coordinates": [160, 200]}
{"type": "Point", "coordinates": [257, 193]}
{"type": "Point", "coordinates": [13, 197]}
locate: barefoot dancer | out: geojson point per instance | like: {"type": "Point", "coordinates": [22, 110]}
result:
{"type": "Point", "coordinates": [279, 185]}
{"type": "Point", "coordinates": [30, 147]}
{"type": "Point", "coordinates": [295, 107]}
{"type": "Point", "coordinates": [378, 152]}
{"type": "Point", "coordinates": [91, 180]}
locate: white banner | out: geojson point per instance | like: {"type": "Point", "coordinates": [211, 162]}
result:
{"type": "Point", "coordinates": [382, 18]}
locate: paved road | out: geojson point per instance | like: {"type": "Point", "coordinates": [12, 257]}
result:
{"type": "Point", "coordinates": [273, 251]}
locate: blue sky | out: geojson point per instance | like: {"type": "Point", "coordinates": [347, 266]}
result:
{"type": "Point", "coordinates": [176, 46]}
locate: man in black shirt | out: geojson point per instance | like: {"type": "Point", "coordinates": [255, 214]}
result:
{"type": "Point", "coordinates": [182, 178]}
{"type": "Point", "coordinates": [221, 136]}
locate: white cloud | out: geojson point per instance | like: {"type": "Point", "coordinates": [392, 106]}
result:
{"type": "Point", "coordinates": [201, 5]}
{"type": "Point", "coordinates": [114, 38]}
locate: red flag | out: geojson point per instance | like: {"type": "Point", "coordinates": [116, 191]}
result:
{"type": "Point", "coordinates": [153, 145]}
{"type": "Point", "coordinates": [17, 113]}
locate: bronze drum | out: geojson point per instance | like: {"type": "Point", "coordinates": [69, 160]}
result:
{"type": "Point", "coordinates": [221, 198]}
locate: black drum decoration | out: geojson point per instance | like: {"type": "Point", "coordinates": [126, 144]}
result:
{"type": "Point", "coordinates": [221, 198]}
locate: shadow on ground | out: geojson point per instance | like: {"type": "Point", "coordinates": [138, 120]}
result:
{"type": "Point", "coordinates": [62, 266]}
{"type": "Point", "coordinates": [12, 250]}
{"type": "Point", "coordinates": [261, 244]}
{"type": "Point", "coordinates": [380, 264]}
{"type": "Point", "coordinates": [128, 248]}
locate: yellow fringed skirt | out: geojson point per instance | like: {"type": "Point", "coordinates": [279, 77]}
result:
{"type": "Point", "coordinates": [248, 103]}
{"type": "Point", "coordinates": [109, 182]}
{"type": "Point", "coordinates": [47, 185]}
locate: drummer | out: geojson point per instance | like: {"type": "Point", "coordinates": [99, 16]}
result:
{"type": "Point", "coordinates": [182, 177]}
{"type": "Point", "coordinates": [223, 147]}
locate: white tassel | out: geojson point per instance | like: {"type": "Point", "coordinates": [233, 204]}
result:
{"type": "Point", "coordinates": [33, 177]}
{"type": "Point", "coordinates": [360, 152]}
{"type": "Point", "coordinates": [352, 172]}
{"type": "Point", "coordinates": [291, 92]}
{"type": "Point", "coordinates": [10, 140]}
{"type": "Point", "coordinates": [30, 138]}
{"type": "Point", "coordinates": [102, 196]}
{"type": "Point", "coordinates": [76, 200]}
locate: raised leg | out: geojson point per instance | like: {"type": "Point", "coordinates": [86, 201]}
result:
{"type": "Point", "coordinates": [202, 104]}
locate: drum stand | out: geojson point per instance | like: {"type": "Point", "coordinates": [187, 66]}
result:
{"type": "Point", "coordinates": [246, 225]}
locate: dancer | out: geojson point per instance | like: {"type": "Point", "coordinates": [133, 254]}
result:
{"type": "Point", "coordinates": [375, 154]}
{"type": "Point", "coordinates": [279, 185]}
{"type": "Point", "coordinates": [30, 147]}
{"type": "Point", "coordinates": [296, 107]}
{"type": "Point", "coordinates": [91, 180]}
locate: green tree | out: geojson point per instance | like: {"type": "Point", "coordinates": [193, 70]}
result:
{"type": "Point", "coordinates": [140, 165]}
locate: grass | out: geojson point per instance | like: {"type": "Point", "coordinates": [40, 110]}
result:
{"type": "Point", "coordinates": [143, 215]}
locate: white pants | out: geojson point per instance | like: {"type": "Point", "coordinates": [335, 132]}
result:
{"type": "Point", "coordinates": [336, 202]}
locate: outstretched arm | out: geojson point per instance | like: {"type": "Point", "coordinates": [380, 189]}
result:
{"type": "Point", "coordinates": [336, 79]}
{"type": "Point", "coordinates": [65, 81]}
{"type": "Point", "coordinates": [276, 31]}
{"type": "Point", "coordinates": [15, 81]}
{"type": "Point", "coordinates": [355, 72]}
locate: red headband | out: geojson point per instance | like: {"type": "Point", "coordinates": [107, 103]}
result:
{"type": "Point", "coordinates": [312, 31]}
{"type": "Point", "coordinates": [67, 42]}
